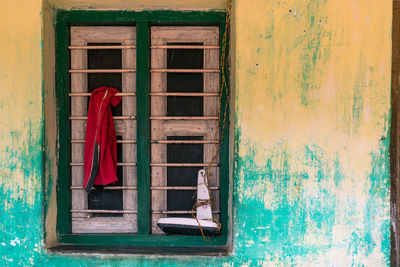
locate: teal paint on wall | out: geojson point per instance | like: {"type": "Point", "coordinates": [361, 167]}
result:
{"type": "Point", "coordinates": [21, 225]}
{"type": "Point", "coordinates": [298, 225]}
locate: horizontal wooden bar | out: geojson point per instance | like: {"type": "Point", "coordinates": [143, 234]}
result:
{"type": "Point", "coordinates": [152, 188]}
{"type": "Point", "coordinates": [105, 211]}
{"type": "Point", "coordinates": [178, 211]}
{"type": "Point", "coordinates": [74, 141]}
{"type": "Point", "coordinates": [118, 164]}
{"type": "Point", "coordinates": [182, 118]}
{"type": "Point", "coordinates": [185, 70]}
{"type": "Point", "coordinates": [85, 47]}
{"type": "Point", "coordinates": [88, 94]}
{"type": "Point", "coordinates": [182, 165]}
{"type": "Point", "coordinates": [184, 47]}
{"type": "Point", "coordinates": [184, 94]}
{"type": "Point", "coordinates": [114, 117]}
{"type": "Point", "coordinates": [103, 71]}
{"type": "Point", "coordinates": [184, 142]}
{"type": "Point", "coordinates": [106, 188]}
{"type": "Point", "coordinates": [180, 188]}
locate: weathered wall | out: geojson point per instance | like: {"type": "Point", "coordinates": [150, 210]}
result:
{"type": "Point", "coordinates": [313, 111]}
{"type": "Point", "coordinates": [311, 124]}
{"type": "Point", "coordinates": [21, 124]}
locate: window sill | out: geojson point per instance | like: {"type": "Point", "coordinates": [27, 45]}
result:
{"type": "Point", "coordinates": [141, 244]}
{"type": "Point", "coordinates": [140, 250]}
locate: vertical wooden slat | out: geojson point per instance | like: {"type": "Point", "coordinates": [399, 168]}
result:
{"type": "Point", "coordinates": [224, 155]}
{"type": "Point", "coordinates": [143, 128]}
{"type": "Point", "coordinates": [62, 85]}
{"type": "Point", "coordinates": [159, 152]}
{"type": "Point", "coordinates": [78, 127]}
{"type": "Point", "coordinates": [129, 153]}
{"type": "Point", "coordinates": [211, 106]}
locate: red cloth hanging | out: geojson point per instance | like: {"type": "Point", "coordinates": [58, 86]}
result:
{"type": "Point", "coordinates": [100, 162]}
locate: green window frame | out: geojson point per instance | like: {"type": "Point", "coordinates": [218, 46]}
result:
{"type": "Point", "coordinates": [143, 21]}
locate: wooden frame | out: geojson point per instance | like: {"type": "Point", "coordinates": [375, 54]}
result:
{"type": "Point", "coordinates": [163, 126]}
{"type": "Point", "coordinates": [142, 21]}
{"type": "Point", "coordinates": [81, 36]}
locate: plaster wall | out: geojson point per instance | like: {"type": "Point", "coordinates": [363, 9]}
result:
{"type": "Point", "coordinates": [21, 124]}
{"type": "Point", "coordinates": [311, 123]}
{"type": "Point", "coordinates": [313, 116]}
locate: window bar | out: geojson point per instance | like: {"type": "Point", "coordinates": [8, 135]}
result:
{"type": "Point", "coordinates": [105, 211]}
{"type": "Point", "coordinates": [182, 118]}
{"type": "Point", "coordinates": [184, 94]}
{"type": "Point", "coordinates": [143, 126]}
{"type": "Point", "coordinates": [88, 94]}
{"type": "Point", "coordinates": [85, 47]}
{"type": "Point", "coordinates": [185, 47]}
{"type": "Point", "coordinates": [180, 188]}
{"type": "Point", "coordinates": [114, 117]}
{"type": "Point", "coordinates": [118, 164]}
{"type": "Point", "coordinates": [106, 188]}
{"type": "Point", "coordinates": [184, 141]}
{"type": "Point", "coordinates": [102, 71]}
{"type": "Point", "coordinates": [183, 164]}
{"type": "Point", "coordinates": [152, 188]}
{"type": "Point", "coordinates": [78, 141]}
{"type": "Point", "coordinates": [178, 211]}
{"type": "Point", "coordinates": [186, 70]}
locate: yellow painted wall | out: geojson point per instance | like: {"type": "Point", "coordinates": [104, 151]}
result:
{"type": "Point", "coordinates": [313, 114]}
{"type": "Point", "coordinates": [20, 96]}
{"type": "Point", "coordinates": [310, 122]}
{"type": "Point", "coordinates": [21, 128]}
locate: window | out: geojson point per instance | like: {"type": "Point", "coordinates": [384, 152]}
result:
{"type": "Point", "coordinates": [112, 209]}
{"type": "Point", "coordinates": [184, 110]}
{"type": "Point", "coordinates": [169, 78]}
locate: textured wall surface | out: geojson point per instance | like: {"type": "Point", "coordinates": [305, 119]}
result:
{"type": "Point", "coordinates": [311, 124]}
{"type": "Point", "coordinates": [21, 127]}
{"type": "Point", "coordinates": [313, 119]}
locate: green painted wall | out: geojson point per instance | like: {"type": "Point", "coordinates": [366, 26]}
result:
{"type": "Point", "coordinates": [311, 113]}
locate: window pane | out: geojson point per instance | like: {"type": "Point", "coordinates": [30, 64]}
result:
{"type": "Point", "coordinates": [183, 176]}
{"type": "Point", "coordinates": [181, 200]}
{"type": "Point", "coordinates": [100, 199]}
{"type": "Point", "coordinates": [105, 59]}
{"type": "Point", "coordinates": [185, 58]}
{"type": "Point", "coordinates": [185, 82]}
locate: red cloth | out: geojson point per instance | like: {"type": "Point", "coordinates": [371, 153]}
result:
{"type": "Point", "coordinates": [100, 163]}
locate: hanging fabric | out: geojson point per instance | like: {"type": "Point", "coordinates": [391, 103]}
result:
{"type": "Point", "coordinates": [100, 162]}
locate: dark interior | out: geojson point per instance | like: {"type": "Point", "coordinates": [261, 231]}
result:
{"type": "Point", "coordinates": [183, 176]}
{"type": "Point", "coordinates": [185, 82]}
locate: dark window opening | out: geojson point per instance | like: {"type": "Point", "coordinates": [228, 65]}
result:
{"type": "Point", "coordinates": [183, 176]}
{"type": "Point", "coordinates": [185, 82]}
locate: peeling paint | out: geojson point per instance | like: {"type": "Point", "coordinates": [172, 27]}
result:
{"type": "Point", "coordinates": [312, 133]}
